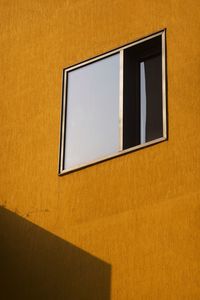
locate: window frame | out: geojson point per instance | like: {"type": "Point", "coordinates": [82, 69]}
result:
{"type": "Point", "coordinates": [120, 50]}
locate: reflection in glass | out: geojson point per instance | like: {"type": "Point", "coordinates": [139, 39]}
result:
{"type": "Point", "coordinates": [143, 101]}
{"type": "Point", "coordinates": [150, 99]}
{"type": "Point", "coordinates": [92, 112]}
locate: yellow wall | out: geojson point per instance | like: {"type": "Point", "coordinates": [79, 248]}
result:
{"type": "Point", "coordinates": [139, 212]}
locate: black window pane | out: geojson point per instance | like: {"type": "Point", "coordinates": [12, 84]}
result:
{"type": "Point", "coordinates": [142, 111]}
{"type": "Point", "coordinates": [153, 76]}
{"type": "Point", "coordinates": [131, 103]}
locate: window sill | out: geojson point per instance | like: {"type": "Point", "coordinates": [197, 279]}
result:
{"type": "Point", "coordinates": [123, 152]}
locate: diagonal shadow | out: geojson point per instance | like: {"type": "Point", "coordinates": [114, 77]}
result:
{"type": "Point", "coordinates": [37, 265]}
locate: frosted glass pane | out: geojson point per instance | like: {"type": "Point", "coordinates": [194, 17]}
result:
{"type": "Point", "coordinates": [92, 125]}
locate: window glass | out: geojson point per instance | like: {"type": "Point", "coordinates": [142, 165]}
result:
{"type": "Point", "coordinates": [142, 95]}
{"type": "Point", "coordinates": [153, 78]}
{"type": "Point", "coordinates": [92, 112]}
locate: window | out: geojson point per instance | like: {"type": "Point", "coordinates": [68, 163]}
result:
{"type": "Point", "coordinates": [114, 103]}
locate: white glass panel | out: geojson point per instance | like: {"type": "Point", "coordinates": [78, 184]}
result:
{"type": "Point", "coordinates": [92, 124]}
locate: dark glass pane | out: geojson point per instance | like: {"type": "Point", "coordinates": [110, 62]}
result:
{"type": "Point", "coordinates": [131, 103]}
{"type": "Point", "coordinates": [142, 112]}
{"type": "Point", "coordinates": [153, 76]}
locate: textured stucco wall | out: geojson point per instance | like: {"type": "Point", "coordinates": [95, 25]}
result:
{"type": "Point", "coordinates": [140, 213]}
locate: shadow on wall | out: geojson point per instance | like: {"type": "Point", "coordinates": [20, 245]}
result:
{"type": "Point", "coordinates": [36, 264]}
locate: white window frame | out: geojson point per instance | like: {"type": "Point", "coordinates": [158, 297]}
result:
{"type": "Point", "coordinates": [119, 50]}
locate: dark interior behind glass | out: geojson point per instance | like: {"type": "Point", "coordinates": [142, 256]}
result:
{"type": "Point", "coordinates": [149, 53]}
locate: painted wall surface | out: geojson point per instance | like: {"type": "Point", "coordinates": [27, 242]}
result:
{"type": "Point", "coordinates": [139, 213]}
